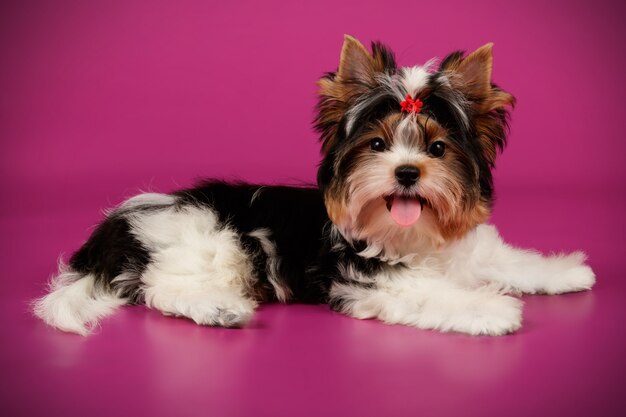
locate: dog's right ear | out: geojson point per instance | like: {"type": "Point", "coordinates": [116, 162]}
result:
{"type": "Point", "coordinates": [355, 64]}
{"type": "Point", "coordinates": [356, 75]}
{"type": "Point", "coordinates": [338, 89]}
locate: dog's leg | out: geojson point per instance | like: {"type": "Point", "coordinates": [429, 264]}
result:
{"type": "Point", "coordinates": [193, 297]}
{"type": "Point", "coordinates": [198, 268]}
{"type": "Point", "coordinates": [428, 302]}
{"type": "Point", "coordinates": [483, 255]}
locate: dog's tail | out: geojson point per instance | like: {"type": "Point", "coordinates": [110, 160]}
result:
{"type": "Point", "coordinates": [104, 273]}
{"type": "Point", "coordinates": [75, 302]}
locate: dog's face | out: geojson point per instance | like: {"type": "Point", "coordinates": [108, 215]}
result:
{"type": "Point", "coordinates": [408, 152]}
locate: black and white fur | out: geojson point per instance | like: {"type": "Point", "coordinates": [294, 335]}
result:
{"type": "Point", "coordinates": [212, 253]}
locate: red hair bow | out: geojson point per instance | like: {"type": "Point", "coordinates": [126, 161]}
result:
{"type": "Point", "coordinates": [411, 106]}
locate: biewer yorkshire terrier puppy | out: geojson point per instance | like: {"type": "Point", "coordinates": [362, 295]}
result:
{"type": "Point", "coordinates": [395, 230]}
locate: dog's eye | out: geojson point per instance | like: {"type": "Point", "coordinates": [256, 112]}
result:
{"type": "Point", "coordinates": [437, 149]}
{"type": "Point", "coordinates": [378, 145]}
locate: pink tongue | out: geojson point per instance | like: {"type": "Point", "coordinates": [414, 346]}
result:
{"type": "Point", "coordinates": [405, 211]}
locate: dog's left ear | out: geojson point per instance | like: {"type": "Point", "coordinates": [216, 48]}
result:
{"type": "Point", "coordinates": [472, 77]}
{"type": "Point", "coordinates": [472, 74]}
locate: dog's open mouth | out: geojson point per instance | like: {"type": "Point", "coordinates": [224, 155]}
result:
{"type": "Point", "coordinates": [405, 210]}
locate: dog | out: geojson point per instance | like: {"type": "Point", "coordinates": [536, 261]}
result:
{"type": "Point", "coordinates": [395, 229]}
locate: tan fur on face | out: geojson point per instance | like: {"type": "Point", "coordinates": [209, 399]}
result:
{"type": "Point", "coordinates": [361, 211]}
{"type": "Point", "coordinates": [362, 178]}
{"type": "Point", "coordinates": [336, 208]}
{"type": "Point", "coordinates": [466, 221]}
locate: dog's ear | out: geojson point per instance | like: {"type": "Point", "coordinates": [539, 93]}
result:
{"type": "Point", "coordinates": [339, 90]}
{"type": "Point", "coordinates": [356, 63]}
{"type": "Point", "coordinates": [471, 76]}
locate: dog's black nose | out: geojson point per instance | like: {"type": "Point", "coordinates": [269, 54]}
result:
{"type": "Point", "coordinates": [407, 175]}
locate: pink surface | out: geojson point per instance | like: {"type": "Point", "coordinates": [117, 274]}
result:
{"type": "Point", "coordinates": [100, 99]}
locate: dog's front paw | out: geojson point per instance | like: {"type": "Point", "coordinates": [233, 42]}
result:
{"type": "Point", "coordinates": [573, 275]}
{"type": "Point", "coordinates": [479, 314]}
{"type": "Point", "coordinates": [494, 316]}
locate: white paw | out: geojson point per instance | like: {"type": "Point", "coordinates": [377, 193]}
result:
{"type": "Point", "coordinates": [496, 315]}
{"type": "Point", "coordinates": [574, 276]}
{"type": "Point", "coordinates": [474, 313]}
{"type": "Point", "coordinates": [223, 313]}
{"type": "Point", "coordinates": [211, 308]}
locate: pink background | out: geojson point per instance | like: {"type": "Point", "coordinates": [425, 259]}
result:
{"type": "Point", "coordinates": [102, 98]}
{"type": "Point", "coordinates": [99, 99]}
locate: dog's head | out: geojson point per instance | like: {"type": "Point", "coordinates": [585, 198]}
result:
{"type": "Point", "coordinates": [408, 152]}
